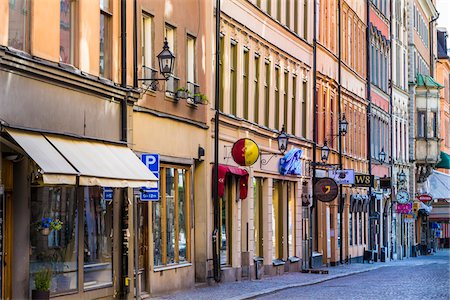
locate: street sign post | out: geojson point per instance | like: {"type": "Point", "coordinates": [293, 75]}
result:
{"type": "Point", "coordinates": [152, 163]}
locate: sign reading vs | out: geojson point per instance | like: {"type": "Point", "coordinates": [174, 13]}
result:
{"type": "Point", "coordinates": [364, 180]}
{"type": "Point", "coordinates": [152, 163]}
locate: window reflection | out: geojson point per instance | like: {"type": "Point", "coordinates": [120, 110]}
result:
{"type": "Point", "coordinates": [98, 228]}
{"type": "Point", "coordinates": [54, 249]}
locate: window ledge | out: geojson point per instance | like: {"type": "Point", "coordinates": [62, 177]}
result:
{"type": "Point", "coordinates": [278, 262]}
{"type": "Point", "coordinates": [171, 267]}
{"type": "Point", "coordinates": [97, 286]}
{"type": "Point", "coordinates": [294, 259]}
{"type": "Point", "coordinates": [258, 258]}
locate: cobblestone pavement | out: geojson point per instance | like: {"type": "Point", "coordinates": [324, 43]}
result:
{"type": "Point", "coordinates": [413, 278]}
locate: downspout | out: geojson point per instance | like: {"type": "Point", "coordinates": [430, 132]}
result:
{"type": "Point", "coordinates": [216, 256]}
{"type": "Point", "coordinates": [368, 121]}
{"type": "Point", "coordinates": [430, 32]}
{"type": "Point", "coordinates": [123, 37]}
{"type": "Point", "coordinates": [391, 107]}
{"type": "Point", "coordinates": [341, 199]}
{"type": "Point", "coordinates": [136, 215]}
{"type": "Point", "coordinates": [314, 154]}
{"type": "Point", "coordinates": [124, 279]}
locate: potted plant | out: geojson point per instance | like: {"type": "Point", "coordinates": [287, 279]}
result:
{"type": "Point", "coordinates": [183, 93]}
{"type": "Point", "coordinates": [42, 284]}
{"type": "Point", "coordinates": [200, 98]}
{"type": "Point", "coordinates": [47, 225]}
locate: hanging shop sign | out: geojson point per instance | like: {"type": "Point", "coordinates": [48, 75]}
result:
{"type": "Point", "coordinates": [343, 176]}
{"type": "Point", "coordinates": [245, 152]}
{"type": "Point", "coordinates": [404, 208]}
{"type": "Point", "coordinates": [424, 198]}
{"type": "Point", "coordinates": [363, 180]}
{"type": "Point", "coordinates": [326, 189]}
{"type": "Point", "coordinates": [107, 193]}
{"type": "Point", "coordinates": [385, 183]}
{"type": "Point", "coordinates": [152, 163]}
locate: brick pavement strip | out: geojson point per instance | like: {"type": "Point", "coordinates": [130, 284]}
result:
{"type": "Point", "coordinates": [247, 289]}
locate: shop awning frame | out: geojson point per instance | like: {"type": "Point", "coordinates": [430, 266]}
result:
{"type": "Point", "coordinates": [62, 159]}
{"type": "Point", "coordinates": [243, 180]}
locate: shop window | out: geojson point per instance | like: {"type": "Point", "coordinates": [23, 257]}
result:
{"type": "Point", "coordinates": [19, 25]}
{"type": "Point", "coordinates": [291, 219]}
{"type": "Point", "coordinates": [105, 38]}
{"type": "Point", "coordinates": [350, 228]}
{"type": "Point", "coordinates": [54, 247]}
{"type": "Point", "coordinates": [277, 220]}
{"type": "Point", "coordinates": [360, 227]}
{"type": "Point", "coordinates": [225, 223]}
{"type": "Point", "coordinates": [258, 216]}
{"type": "Point", "coordinates": [98, 229]}
{"type": "Point", "coordinates": [170, 219]}
{"type": "Point", "coordinates": [66, 31]}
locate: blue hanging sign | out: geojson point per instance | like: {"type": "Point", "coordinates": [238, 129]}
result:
{"type": "Point", "coordinates": [107, 193]}
{"type": "Point", "coordinates": [152, 163]}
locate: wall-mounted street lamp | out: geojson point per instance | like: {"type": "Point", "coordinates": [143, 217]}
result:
{"type": "Point", "coordinates": [401, 177]}
{"type": "Point", "coordinates": [324, 152]}
{"type": "Point", "coordinates": [382, 155]}
{"type": "Point", "coordinates": [282, 140]}
{"type": "Point", "coordinates": [166, 60]}
{"type": "Point", "coordinates": [343, 125]}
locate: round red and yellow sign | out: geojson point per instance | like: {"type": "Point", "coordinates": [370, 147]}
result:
{"type": "Point", "coordinates": [245, 152]}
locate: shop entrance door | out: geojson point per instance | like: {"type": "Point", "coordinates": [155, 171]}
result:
{"type": "Point", "coordinates": [2, 217]}
{"type": "Point", "coordinates": [143, 254]}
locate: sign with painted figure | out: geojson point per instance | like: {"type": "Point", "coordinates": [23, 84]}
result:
{"type": "Point", "coordinates": [343, 176]}
{"type": "Point", "coordinates": [152, 163]}
{"type": "Point", "coordinates": [326, 189]}
{"type": "Point", "coordinates": [245, 152]}
{"type": "Point", "coordinates": [364, 180]}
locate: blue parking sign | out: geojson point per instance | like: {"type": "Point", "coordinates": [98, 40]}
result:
{"type": "Point", "coordinates": [152, 163]}
{"type": "Point", "coordinates": [107, 193]}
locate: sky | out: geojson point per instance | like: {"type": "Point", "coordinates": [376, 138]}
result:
{"type": "Point", "coordinates": [443, 7]}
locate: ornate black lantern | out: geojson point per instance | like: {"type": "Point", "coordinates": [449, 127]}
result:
{"type": "Point", "coordinates": [343, 125]}
{"type": "Point", "coordinates": [166, 60]}
{"type": "Point", "coordinates": [325, 152]}
{"type": "Point", "coordinates": [283, 140]}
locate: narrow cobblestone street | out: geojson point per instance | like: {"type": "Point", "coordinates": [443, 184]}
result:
{"type": "Point", "coordinates": [424, 277]}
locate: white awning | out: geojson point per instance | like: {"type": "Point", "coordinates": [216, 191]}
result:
{"type": "Point", "coordinates": [54, 167]}
{"type": "Point", "coordinates": [96, 163]}
{"type": "Point", "coordinates": [439, 185]}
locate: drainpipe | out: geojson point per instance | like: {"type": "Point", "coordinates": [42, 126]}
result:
{"type": "Point", "coordinates": [341, 199]}
{"type": "Point", "coordinates": [368, 121]}
{"type": "Point", "coordinates": [123, 35]}
{"type": "Point", "coordinates": [314, 154]}
{"type": "Point", "coordinates": [215, 235]}
{"type": "Point", "coordinates": [430, 32]}
{"type": "Point", "coordinates": [124, 280]}
{"type": "Point", "coordinates": [391, 107]}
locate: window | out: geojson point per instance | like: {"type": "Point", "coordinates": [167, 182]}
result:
{"type": "Point", "coordinates": [245, 82]}
{"type": "Point", "coordinates": [304, 108]}
{"type": "Point", "coordinates": [225, 229]}
{"type": "Point", "coordinates": [98, 228]}
{"type": "Point", "coordinates": [267, 93]}
{"type": "Point", "coordinates": [148, 70]}
{"type": "Point", "coordinates": [19, 25]}
{"type": "Point", "coordinates": [305, 19]}
{"type": "Point", "coordinates": [105, 38]}
{"type": "Point", "coordinates": [433, 132]}
{"type": "Point", "coordinates": [233, 78]}
{"type": "Point", "coordinates": [190, 59]}
{"type": "Point", "coordinates": [66, 31]}
{"type": "Point", "coordinates": [288, 13]}
{"type": "Point", "coordinates": [277, 98]}
{"type": "Point", "coordinates": [258, 216]}
{"type": "Point", "coordinates": [256, 91]}
{"type": "Point", "coordinates": [221, 72]}
{"type": "Point", "coordinates": [285, 100]}
{"type": "Point", "coordinates": [56, 249]}
{"type": "Point", "coordinates": [291, 219]}
{"type": "Point", "coordinates": [277, 219]}
{"type": "Point", "coordinates": [360, 227]}
{"type": "Point", "coordinates": [294, 103]}
{"type": "Point", "coordinates": [169, 34]}
{"type": "Point", "coordinates": [421, 123]}
{"type": "Point", "coordinates": [170, 219]}
{"type": "Point", "coordinates": [356, 227]}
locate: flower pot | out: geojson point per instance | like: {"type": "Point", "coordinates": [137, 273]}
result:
{"type": "Point", "coordinates": [182, 94]}
{"type": "Point", "coordinates": [38, 295]}
{"type": "Point", "coordinates": [45, 231]}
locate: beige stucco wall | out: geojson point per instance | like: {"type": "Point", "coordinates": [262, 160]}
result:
{"type": "Point", "coordinates": [45, 29]}
{"type": "Point", "coordinates": [4, 22]}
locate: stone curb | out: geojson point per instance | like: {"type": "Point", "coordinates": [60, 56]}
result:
{"type": "Point", "coordinates": [294, 285]}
